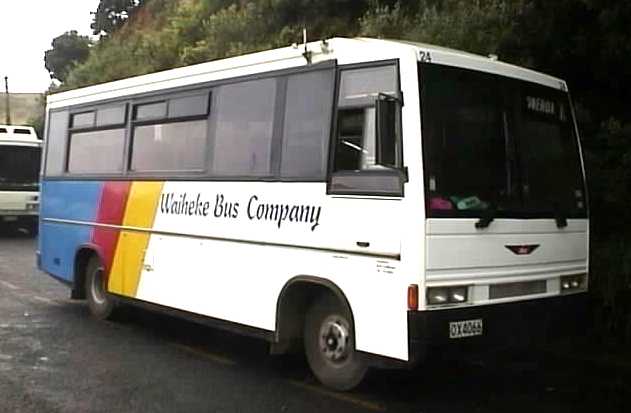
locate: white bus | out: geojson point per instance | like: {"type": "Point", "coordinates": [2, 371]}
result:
{"type": "Point", "coordinates": [370, 199]}
{"type": "Point", "coordinates": [20, 154]}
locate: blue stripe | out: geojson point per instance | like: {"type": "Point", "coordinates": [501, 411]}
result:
{"type": "Point", "coordinates": [58, 243]}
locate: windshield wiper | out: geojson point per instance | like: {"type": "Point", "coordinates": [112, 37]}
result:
{"type": "Point", "coordinates": [486, 219]}
{"type": "Point", "coordinates": [560, 217]}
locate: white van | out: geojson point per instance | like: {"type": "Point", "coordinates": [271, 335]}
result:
{"type": "Point", "coordinates": [20, 154]}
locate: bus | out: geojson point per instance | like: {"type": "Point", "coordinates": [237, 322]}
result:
{"type": "Point", "coordinates": [364, 201]}
{"type": "Point", "coordinates": [20, 153]}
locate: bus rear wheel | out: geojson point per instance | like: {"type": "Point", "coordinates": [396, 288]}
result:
{"type": "Point", "coordinates": [329, 340]}
{"type": "Point", "coordinates": [101, 304]}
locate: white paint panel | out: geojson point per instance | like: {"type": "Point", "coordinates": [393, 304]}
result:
{"type": "Point", "coordinates": [475, 251]}
{"type": "Point", "coordinates": [236, 278]}
{"type": "Point", "coordinates": [459, 254]}
{"type": "Point", "coordinates": [332, 223]}
{"type": "Point", "coordinates": [15, 202]}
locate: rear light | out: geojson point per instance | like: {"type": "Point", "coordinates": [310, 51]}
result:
{"type": "Point", "coordinates": [413, 297]}
{"type": "Point", "coordinates": [447, 295]}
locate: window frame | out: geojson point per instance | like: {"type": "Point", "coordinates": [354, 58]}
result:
{"type": "Point", "coordinates": [517, 166]}
{"type": "Point", "coordinates": [94, 128]}
{"type": "Point", "coordinates": [165, 120]}
{"type": "Point", "coordinates": [159, 95]}
{"type": "Point", "coordinates": [332, 112]}
{"type": "Point", "coordinates": [401, 172]}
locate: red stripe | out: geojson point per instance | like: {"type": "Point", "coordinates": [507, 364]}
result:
{"type": "Point", "coordinates": [111, 211]}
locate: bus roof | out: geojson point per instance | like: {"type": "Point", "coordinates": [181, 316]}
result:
{"type": "Point", "coordinates": [18, 134]}
{"type": "Point", "coordinates": [344, 50]}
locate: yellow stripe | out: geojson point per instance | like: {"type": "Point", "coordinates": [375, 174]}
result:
{"type": "Point", "coordinates": [129, 257]}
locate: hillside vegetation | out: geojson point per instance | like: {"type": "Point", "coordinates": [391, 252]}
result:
{"type": "Point", "coordinates": [586, 42]}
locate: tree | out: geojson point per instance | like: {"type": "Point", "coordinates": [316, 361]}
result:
{"type": "Point", "coordinates": [68, 50]}
{"type": "Point", "coordinates": [111, 14]}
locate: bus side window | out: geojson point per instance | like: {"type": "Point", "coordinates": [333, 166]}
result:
{"type": "Point", "coordinates": [102, 131]}
{"type": "Point", "coordinates": [56, 143]}
{"type": "Point", "coordinates": [307, 125]}
{"type": "Point", "coordinates": [243, 121]}
{"type": "Point", "coordinates": [367, 160]}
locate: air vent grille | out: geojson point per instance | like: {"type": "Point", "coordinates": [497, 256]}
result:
{"type": "Point", "coordinates": [517, 289]}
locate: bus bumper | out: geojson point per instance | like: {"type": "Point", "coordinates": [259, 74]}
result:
{"type": "Point", "coordinates": [509, 325]}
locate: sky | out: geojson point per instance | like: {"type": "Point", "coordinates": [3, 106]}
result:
{"type": "Point", "coordinates": [26, 32]}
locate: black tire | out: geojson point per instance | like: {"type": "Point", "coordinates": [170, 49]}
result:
{"type": "Point", "coordinates": [329, 339]}
{"type": "Point", "coordinates": [101, 304]}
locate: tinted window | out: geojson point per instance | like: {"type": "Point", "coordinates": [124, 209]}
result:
{"type": "Point", "coordinates": [19, 167]}
{"type": "Point", "coordinates": [307, 124]}
{"type": "Point", "coordinates": [3, 130]}
{"type": "Point", "coordinates": [56, 142]}
{"type": "Point", "coordinates": [498, 144]}
{"type": "Point", "coordinates": [464, 141]}
{"type": "Point", "coordinates": [170, 147]}
{"type": "Point", "coordinates": [188, 106]}
{"type": "Point", "coordinates": [151, 111]}
{"type": "Point", "coordinates": [244, 118]}
{"type": "Point", "coordinates": [547, 140]}
{"type": "Point", "coordinates": [83, 120]}
{"type": "Point", "coordinates": [97, 152]}
{"type": "Point", "coordinates": [111, 116]}
{"type": "Point", "coordinates": [20, 131]}
{"type": "Point", "coordinates": [361, 86]}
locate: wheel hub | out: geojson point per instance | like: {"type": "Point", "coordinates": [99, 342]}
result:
{"type": "Point", "coordinates": [334, 339]}
{"type": "Point", "coordinates": [98, 289]}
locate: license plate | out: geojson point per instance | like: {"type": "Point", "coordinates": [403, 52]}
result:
{"type": "Point", "coordinates": [466, 328]}
{"type": "Point", "coordinates": [9, 219]}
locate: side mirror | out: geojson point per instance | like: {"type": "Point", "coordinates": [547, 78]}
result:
{"type": "Point", "coordinates": [386, 127]}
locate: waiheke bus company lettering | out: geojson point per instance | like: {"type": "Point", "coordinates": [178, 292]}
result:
{"type": "Point", "coordinates": [196, 205]}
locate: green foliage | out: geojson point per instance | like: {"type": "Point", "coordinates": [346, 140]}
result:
{"type": "Point", "coordinates": [111, 14]}
{"type": "Point", "coordinates": [68, 50]}
{"type": "Point", "coordinates": [477, 26]}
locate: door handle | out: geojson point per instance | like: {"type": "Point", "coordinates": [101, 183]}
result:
{"type": "Point", "coordinates": [363, 244]}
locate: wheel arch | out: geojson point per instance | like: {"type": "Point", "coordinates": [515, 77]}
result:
{"type": "Point", "coordinates": [295, 298]}
{"type": "Point", "coordinates": [82, 257]}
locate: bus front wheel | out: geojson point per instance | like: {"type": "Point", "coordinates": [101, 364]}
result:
{"type": "Point", "coordinates": [100, 302]}
{"type": "Point", "coordinates": [329, 340]}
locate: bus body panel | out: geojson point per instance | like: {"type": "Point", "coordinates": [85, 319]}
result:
{"type": "Point", "coordinates": [460, 254]}
{"type": "Point", "coordinates": [59, 243]}
{"type": "Point", "coordinates": [468, 249]}
{"type": "Point", "coordinates": [211, 248]}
